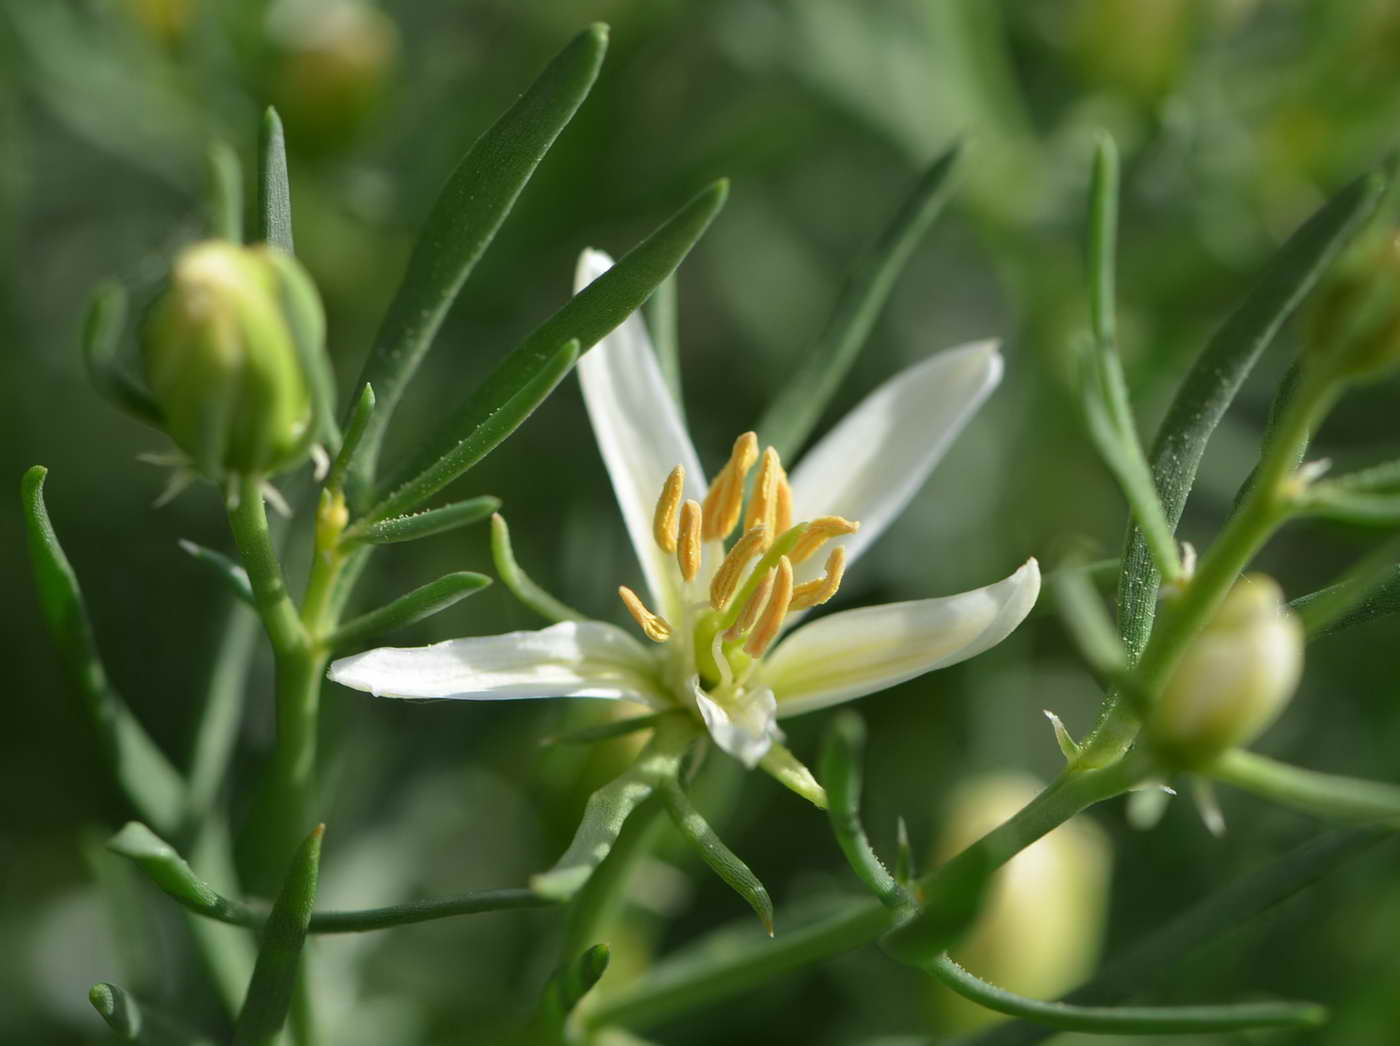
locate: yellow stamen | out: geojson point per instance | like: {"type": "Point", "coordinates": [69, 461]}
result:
{"type": "Point", "coordinates": [771, 619]}
{"type": "Point", "coordinates": [653, 625]}
{"type": "Point", "coordinates": [726, 496]}
{"type": "Point", "coordinates": [727, 577]}
{"type": "Point", "coordinates": [763, 506]}
{"type": "Point", "coordinates": [663, 521]}
{"type": "Point", "coordinates": [750, 612]}
{"type": "Point", "coordinates": [688, 552]}
{"type": "Point", "coordinates": [819, 532]}
{"type": "Point", "coordinates": [783, 516]}
{"type": "Point", "coordinates": [815, 593]}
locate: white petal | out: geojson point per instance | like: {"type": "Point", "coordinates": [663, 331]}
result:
{"type": "Point", "coordinates": [857, 652]}
{"type": "Point", "coordinates": [870, 465]}
{"type": "Point", "coordinates": [747, 731]}
{"type": "Point", "coordinates": [640, 435]}
{"type": "Point", "coordinates": [570, 659]}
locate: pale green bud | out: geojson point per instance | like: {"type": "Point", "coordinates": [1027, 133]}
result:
{"type": "Point", "coordinates": [224, 361]}
{"type": "Point", "coordinates": [1041, 925]}
{"type": "Point", "coordinates": [1354, 330]}
{"type": "Point", "coordinates": [1234, 680]}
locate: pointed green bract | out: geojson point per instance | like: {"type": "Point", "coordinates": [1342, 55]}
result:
{"type": "Point", "coordinates": [102, 331]}
{"type": "Point", "coordinates": [464, 220]}
{"type": "Point", "coordinates": [279, 957]}
{"type": "Point", "coordinates": [791, 417]}
{"type": "Point", "coordinates": [587, 317]}
{"type": "Point", "coordinates": [1220, 370]}
{"type": "Point", "coordinates": [427, 523]}
{"type": "Point", "coordinates": [225, 193]}
{"type": "Point", "coordinates": [722, 861]}
{"type": "Point", "coordinates": [147, 779]}
{"type": "Point", "coordinates": [274, 190]}
{"type": "Point", "coordinates": [422, 602]}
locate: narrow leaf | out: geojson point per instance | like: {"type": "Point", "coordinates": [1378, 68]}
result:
{"type": "Point", "coordinates": [1326, 795]}
{"type": "Point", "coordinates": [225, 193]}
{"type": "Point", "coordinates": [1357, 508]}
{"type": "Point", "coordinates": [842, 752]}
{"type": "Point", "coordinates": [569, 985]}
{"type": "Point", "coordinates": [137, 1022]}
{"type": "Point", "coordinates": [905, 869]}
{"type": "Point", "coordinates": [101, 338]}
{"type": "Point", "coordinates": [586, 318]}
{"type": "Point", "coordinates": [173, 875]}
{"type": "Point", "coordinates": [279, 957]}
{"type": "Point", "coordinates": [274, 188]}
{"type": "Point", "coordinates": [722, 861]}
{"type": "Point", "coordinates": [425, 524]}
{"type": "Point", "coordinates": [520, 584]}
{"type": "Point", "coordinates": [147, 779]}
{"type": "Point", "coordinates": [1219, 371]}
{"type": "Point", "coordinates": [472, 903]}
{"type": "Point", "coordinates": [1369, 592]}
{"type": "Point", "coordinates": [1087, 620]}
{"type": "Point", "coordinates": [1103, 241]}
{"type": "Point", "coordinates": [409, 609]}
{"type": "Point", "coordinates": [791, 417]}
{"type": "Point", "coordinates": [464, 220]}
{"type": "Point", "coordinates": [230, 574]}
{"type": "Point", "coordinates": [350, 443]}
{"type": "Point", "coordinates": [609, 807]}
{"type": "Point", "coordinates": [1127, 1020]}
{"type": "Point", "coordinates": [482, 436]}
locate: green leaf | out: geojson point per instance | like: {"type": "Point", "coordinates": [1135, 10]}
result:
{"type": "Point", "coordinates": [306, 319]}
{"type": "Point", "coordinates": [586, 318]}
{"type": "Point", "coordinates": [609, 807]}
{"type": "Point", "coordinates": [471, 903]}
{"type": "Point", "coordinates": [722, 861]}
{"type": "Point", "coordinates": [172, 874]}
{"type": "Point", "coordinates": [225, 193]}
{"type": "Point", "coordinates": [1156, 957]}
{"type": "Point", "coordinates": [1087, 620]}
{"type": "Point", "coordinates": [422, 602]}
{"type": "Point", "coordinates": [842, 752]}
{"type": "Point", "coordinates": [101, 339]}
{"type": "Point", "coordinates": [1369, 592]}
{"type": "Point", "coordinates": [1127, 1020]}
{"type": "Point", "coordinates": [136, 1022]}
{"type": "Point", "coordinates": [520, 584]}
{"type": "Point", "coordinates": [1326, 795]}
{"type": "Point", "coordinates": [793, 414]}
{"type": "Point", "coordinates": [350, 444]}
{"type": "Point", "coordinates": [664, 325]}
{"type": "Point", "coordinates": [233, 577]}
{"type": "Point", "coordinates": [147, 779]}
{"type": "Point", "coordinates": [1327, 501]}
{"type": "Point", "coordinates": [425, 524]}
{"type": "Point", "coordinates": [905, 869]}
{"type": "Point", "coordinates": [483, 435]}
{"type": "Point", "coordinates": [1103, 241]}
{"type": "Point", "coordinates": [274, 189]}
{"type": "Point", "coordinates": [568, 986]}
{"type": "Point", "coordinates": [1218, 373]}
{"type": "Point", "coordinates": [464, 220]}
{"type": "Point", "coordinates": [279, 956]}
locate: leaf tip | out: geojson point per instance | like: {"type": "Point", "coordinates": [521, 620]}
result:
{"type": "Point", "coordinates": [103, 999]}
{"type": "Point", "coordinates": [33, 482]}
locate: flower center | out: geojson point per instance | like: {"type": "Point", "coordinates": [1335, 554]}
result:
{"type": "Point", "coordinates": [729, 627]}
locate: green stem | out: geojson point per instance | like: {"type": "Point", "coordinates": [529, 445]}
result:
{"type": "Point", "coordinates": [1328, 795]}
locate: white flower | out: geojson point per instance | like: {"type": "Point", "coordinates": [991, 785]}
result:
{"type": "Point", "coordinates": [713, 637]}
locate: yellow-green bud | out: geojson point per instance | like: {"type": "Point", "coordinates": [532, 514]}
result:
{"type": "Point", "coordinates": [1041, 926]}
{"type": "Point", "coordinates": [1354, 330]}
{"type": "Point", "coordinates": [222, 358]}
{"type": "Point", "coordinates": [1233, 681]}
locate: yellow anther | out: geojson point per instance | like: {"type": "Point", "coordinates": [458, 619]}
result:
{"type": "Point", "coordinates": [726, 496]}
{"type": "Point", "coordinates": [819, 532]}
{"type": "Point", "coordinates": [815, 593]}
{"type": "Point", "coordinates": [653, 625]}
{"type": "Point", "coordinates": [763, 506]}
{"type": "Point", "coordinates": [727, 577]}
{"type": "Point", "coordinates": [688, 551]}
{"type": "Point", "coordinates": [771, 620]}
{"type": "Point", "coordinates": [750, 612]}
{"type": "Point", "coordinates": [663, 521]}
{"type": "Point", "coordinates": [783, 516]}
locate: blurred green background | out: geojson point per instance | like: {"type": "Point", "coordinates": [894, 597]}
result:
{"type": "Point", "coordinates": [1235, 118]}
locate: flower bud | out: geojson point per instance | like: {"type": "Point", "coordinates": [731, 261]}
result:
{"type": "Point", "coordinates": [1041, 925]}
{"type": "Point", "coordinates": [224, 361]}
{"type": "Point", "coordinates": [1234, 679]}
{"type": "Point", "coordinates": [1354, 330]}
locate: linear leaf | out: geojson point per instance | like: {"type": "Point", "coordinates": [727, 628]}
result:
{"type": "Point", "coordinates": [1326, 795]}
{"type": "Point", "coordinates": [520, 584]}
{"type": "Point", "coordinates": [1218, 372]}
{"type": "Point", "coordinates": [230, 574]}
{"type": "Point", "coordinates": [172, 874]}
{"type": "Point", "coordinates": [723, 861]}
{"type": "Point", "coordinates": [148, 780]}
{"type": "Point", "coordinates": [1353, 601]}
{"type": "Point", "coordinates": [793, 414]}
{"type": "Point", "coordinates": [422, 602]}
{"type": "Point", "coordinates": [842, 752]}
{"type": "Point", "coordinates": [134, 1021]}
{"type": "Point", "coordinates": [279, 956]}
{"type": "Point", "coordinates": [350, 444]}
{"type": "Point", "coordinates": [274, 188]}
{"type": "Point", "coordinates": [587, 318]}
{"type": "Point", "coordinates": [101, 338]}
{"type": "Point", "coordinates": [464, 220]}
{"type": "Point", "coordinates": [427, 523]}
{"type": "Point", "coordinates": [225, 193]}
